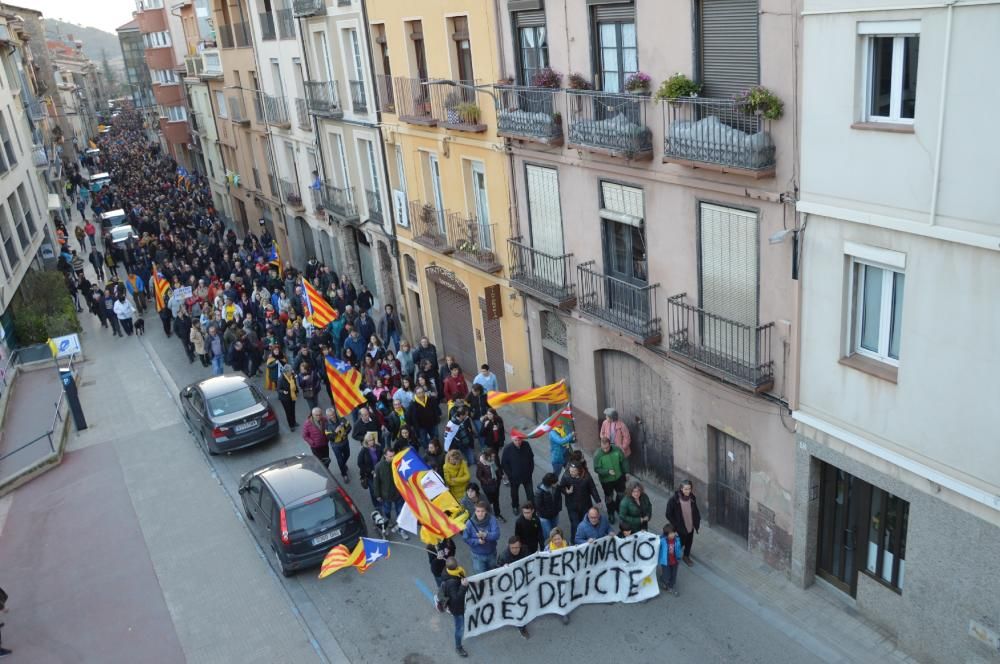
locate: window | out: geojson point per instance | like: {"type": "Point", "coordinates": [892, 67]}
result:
{"type": "Point", "coordinates": [15, 211]}
{"type": "Point", "coordinates": [728, 262]}
{"type": "Point", "coordinates": [463, 48]}
{"type": "Point", "coordinates": [887, 521]}
{"type": "Point", "coordinates": [416, 30]}
{"type": "Point", "coordinates": [13, 258]}
{"type": "Point", "coordinates": [622, 212]}
{"type": "Point", "coordinates": [728, 47]}
{"type": "Point", "coordinates": [481, 204]}
{"type": "Point", "coordinates": [544, 210]}
{"type": "Point", "coordinates": [8, 146]}
{"type": "Point", "coordinates": [372, 164]}
{"type": "Point", "coordinates": [29, 219]}
{"type": "Point", "coordinates": [878, 311]}
{"type": "Point", "coordinates": [411, 268]}
{"type": "Point", "coordinates": [176, 113]}
{"type": "Point", "coordinates": [156, 39]}
{"type": "Point", "coordinates": [532, 45]}
{"type": "Point", "coordinates": [617, 50]}
{"type": "Point", "coordinates": [165, 76]}
{"type": "Point", "coordinates": [891, 66]}
{"type": "Point", "coordinates": [220, 104]}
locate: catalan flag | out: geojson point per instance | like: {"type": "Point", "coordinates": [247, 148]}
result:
{"type": "Point", "coordinates": [160, 289]}
{"type": "Point", "coordinates": [274, 259]}
{"type": "Point", "coordinates": [320, 310]}
{"type": "Point", "coordinates": [407, 471]}
{"type": "Point", "coordinates": [553, 421]}
{"type": "Point", "coordinates": [345, 383]}
{"type": "Point", "coordinates": [554, 394]}
{"type": "Point", "coordinates": [365, 553]}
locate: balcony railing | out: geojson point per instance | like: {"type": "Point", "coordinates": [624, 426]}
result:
{"type": "Point", "coordinates": [275, 111]}
{"type": "Point", "coordinates": [302, 114]}
{"type": "Point", "coordinates": [243, 35]}
{"type": "Point", "coordinates": [272, 185]}
{"type": "Point", "coordinates": [374, 200]}
{"type": "Point", "coordinates": [547, 277]}
{"type": "Point", "coordinates": [237, 111]}
{"type": "Point", "coordinates": [359, 102]}
{"type": "Point", "coordinates": [628, 307]}
{"type": "Point", "coordinates": [256, 178]}
{"type": "Point", "coordinates": [258, 107]}
{"type": "Point", "coordinates": [39, 156]}
{"type": "Point", "coordinates": [343, 3]}
{"type": "Point", "coordinates": [386, 96]}
{"type": "Point", "coordinates": [458, 107]}
{"type": "Point", "coordinates": [267, 29]}
{"type": "Point", "coordinates": [193, 66]}
{"type": "Point", "coordinates": [734, 351]}
{"type": "Point", "coordinates": [413, 101]}
{"type": "Point", "coordinates": [473, 242]}
{"type": "Point", "coordinates": [717, 133]}
{"type": "Point", "coordinates": [286, 24]}
{"type": "Point", "coordinates": [224, 35]}
{"type": "Point", "coordinates": [308, 7]}
{"type": "Point", "coordinates": [610, 123]}
{"type": "Point", "coordinates": [528, 114]}
{"type": "Point", "coordinates": [211, 64]}
{"type": "Point", "coordinates": [429, 226]}
{"type": "Point", "coordinates": [340, 203]}
{"type": "Point", "coordinates": [323, 99]}
{"type": "Point", "coordinates": [290, 193]}
{"type": "Point", "coordinates": [35, 109]}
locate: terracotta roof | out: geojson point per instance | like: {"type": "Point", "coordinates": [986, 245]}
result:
{"type": "Point", "coordinates": [128, 26]}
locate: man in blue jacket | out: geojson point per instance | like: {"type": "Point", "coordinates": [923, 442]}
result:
{"type": "Point", "coordinates": [481, 534]}
{"type": "Point", "coordinates": [593, 527]}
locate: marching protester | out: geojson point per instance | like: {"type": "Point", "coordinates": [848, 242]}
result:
{"type": "Point", "coordinates": [612, 469]}
{"type": "Point", "coordinates": [635, 509]}
{"type": "Point", "coordinates": [481, 534]}
{"type": "Point", "coordinates": [452, 599]}
{"type": "Point", "coordinates": [580, 494]}
{"type": "Point", "coordinates": [683, 515]}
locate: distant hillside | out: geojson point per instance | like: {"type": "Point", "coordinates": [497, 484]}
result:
{"type": "Point", "coordinates": [94, 40]}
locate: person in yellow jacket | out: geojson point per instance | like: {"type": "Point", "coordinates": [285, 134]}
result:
{"type": "Point", "coordinates": [456, 474]}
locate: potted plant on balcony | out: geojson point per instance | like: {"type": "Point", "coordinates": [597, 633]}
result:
{"type": "Point", "coordinates": [451, 104]}
{"type": "Point", "coordinates": [676, 87]}
{"type": "Point", "coordinates": [578, 82]}
{"type": "Point", "coordinates": [758, 100]}
{"type": "Point", "coordinates": [294, 200]}
{"type": "Point", "coordinates": [546, 78]}
{"type": "Point", "coordinates": [638, 83]}
{"type": "Point", "coordinates": [468, 113]}
{"type": "Point", "coordinates": [428, 219]}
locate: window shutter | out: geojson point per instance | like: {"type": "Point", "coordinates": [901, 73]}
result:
{"type": "Point", "coordinates": [545, 215]}
{"type": "Point", "coordinates": [729, 263]}
{"type": "Point", "coordinates": [530, 19]}
{"type": "Point", "coordinates": [614, 12]}
{"type": "Point", "coordinates": [730, 61]}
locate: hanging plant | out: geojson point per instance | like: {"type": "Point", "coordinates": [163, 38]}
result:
{"type": "Point", "coordinates": [638, 83]}
{"type": "Point", "coordinates": [678, 86]}
{"type": "Point", "coordinates": [578, 82]}
{"type": "Point", "coordinates": [758, 100]}
{"type": "Point", "coordinates": [546, 78]}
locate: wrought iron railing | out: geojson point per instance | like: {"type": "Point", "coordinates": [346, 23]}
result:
{"type": "Point", "coordinates": [457, 107]}
{"type": "Point", "coordinates": [302, 114]}
{"type": "Point", "coordinates": [258, 107]}
{"type": "Point", "coordinates": [414, 103]}
{"type": "Point", "coordinates": [608, 121]}
{"type": "Point", "coordinates": [286, 24]}
{"type": "Point", "coordinates": [359, 101]}
{"type": "Point", "coordinates": [267, 28]}
{"type": "Point", "coordinates": [343, 3]}
{"type": "Point", "coordinates": [224, 35]}
{"type": "Point", "coordinates": [339, 201]}
{"type": "Point", "coordinates": [374, 200]}
{"type": "Point", "coordinates": [737, 351]}
{"type": "Point", "coordinates": [429, 226]}
{"type": "Point", "coordinates": [716, 131]}
{"type": "Point", "coordinates": [531, 113]}
{"type": "Point", "coordinates": [386, 96]}
{"type": "Point", "coordinates": [272, 184]}
{"type": "Point", "coordinates": [36, 110]}
{"type": "Point", "coordinates": [473, 241]}
{"type": "Point", "coordinates": [256, 178]}
{"type": "Point", "coordinates": [237, 111]}
{"type": "Point", "coordinates": [323, 99]}
{"type": "Point", "coordinates": [308, 7]}
{"type": "Point", "coordinates": [290, 193]}
{"type": "Point", "coordinates": [626, 306]}
{"type": "Point", "coordinates": [275, 111]}
{"type": "Point", "coordinates": [544, 275]}
{"type": "Point", "coordinates": [242, 35]}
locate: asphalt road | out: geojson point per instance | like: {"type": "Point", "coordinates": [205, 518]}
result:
{"type": "Point", "coordinates": [387, 615]}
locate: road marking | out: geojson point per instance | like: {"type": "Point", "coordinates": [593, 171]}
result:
{"type": "Point", "coordinates": [425, 590]}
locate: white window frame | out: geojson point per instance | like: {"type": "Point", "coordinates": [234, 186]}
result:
{"type": "Point", "coordinates": [899, 31]}
{"type": "Point", "coordinates": [176, 114]}
{"type": "Point", "coordinates": [220, 103]}
{"type": "Point", "coordinates": [857, 284]}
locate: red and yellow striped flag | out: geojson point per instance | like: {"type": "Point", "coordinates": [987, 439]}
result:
{"type": "Point", "coordinates": [160, 289]}
{"type": "Point", "coordinates": [345, 383]}
{"type": "Point", "coordinates": [554, 394]}
{"type": "Point", "coordinates": [320, 310]}
{"type": "Point", "coordinates": [407, 471]}
{"type": "Point", "coordinates": [339, 558]}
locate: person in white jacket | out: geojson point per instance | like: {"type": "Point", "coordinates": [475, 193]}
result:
{"type": "Point", "coordinates": [124, 311]}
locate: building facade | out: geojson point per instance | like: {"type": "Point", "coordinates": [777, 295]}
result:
{"type": "Point", "coordinates": [79, 88]}
{"type": "Point", "coordinates": [450, 177]}
{"type": "Point", "coordinates": [335, 94]}
{"type": "Point", "coordinates": [137, 77]}
{"type": "Point", "coordinates": [898, 467]}
{"type": "Point", "coordinates": [642, 243]}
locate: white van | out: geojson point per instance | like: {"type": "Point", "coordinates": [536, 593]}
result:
{"type": "Point", "coordinates": [113, 218]}
{"type": "Point", "coordinates": [98, 181]}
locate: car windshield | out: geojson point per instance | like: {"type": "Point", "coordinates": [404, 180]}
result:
{"type": "Point", "coordinates": [315, 513]}
{"type": "Point", "coordinates": [231, 402]}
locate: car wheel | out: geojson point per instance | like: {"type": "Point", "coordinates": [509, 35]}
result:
{"type": "Point", "coordinates": [285, 572]}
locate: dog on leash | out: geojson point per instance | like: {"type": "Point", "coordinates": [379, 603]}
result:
{"type": "Point", "coordinates": [140, 327]}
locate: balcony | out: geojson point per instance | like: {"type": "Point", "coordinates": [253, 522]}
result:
{"type": "Point", "coordinates": [256, 179]}
{"type": "Point", "coordinates": [35, 110]}
{"type": "Point", "coordinates": [302, 8]}
{"type": "Point", "coordinates": [322, 99]}
{"type": "Point", "coordinates": [386, 98]}
{"type": "Point", "coordinates": [193, 66]}
{"type": "Point", "coordinates": [374, 200]}
{"type": "Point", "coordinates": [548, 278]}
{"type": "Point", "coordinates": [429, 226]}
{"type": "Point", "coordinates": [528, 114]}
{"type": "Point", "coordinates": [291, 195]}
{"type": "Point", "coordinates": [359, 101]}
{"type": "Point", "coordinates": [211, 64]}
{"type": "Point", "coordinates": [339, 202]}
{"type": "Point", "coordinates": [275, 111]}
{"type": "Point", "coordinates": [473, 242]}
{"type": "Point", "coordinates": [717, 134]}
{"type": "Point", "coordinates": [237, 111]}
{"type": "Point", "coordinates": [267, 29]}
{"type": "Point", "coordinates": [302, 114]}
{"type": "Point", "coordinates": [413, 102]}
{"type": "Point", "coordinates": [286, 24]}
{"type": "Point", "coordinates": [272, 185]}
{"type": "Point", "coordinates": [627, 307]}
{"type": "Point", "coordinates": [733, 351]}
{"type": "Point", "coordinates": [39, 157]}
{"type": "Point", "coordinates": [343, 3]}
{"type": "Point", "coordinates": [459, 108]}
{"type": "Point", "coordinates": [612, 124]}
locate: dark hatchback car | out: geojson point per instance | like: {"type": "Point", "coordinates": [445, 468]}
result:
{"type": "Point", "coordinates": [298, 511]}
{"type": "Point", "coordinates": [227, 413]}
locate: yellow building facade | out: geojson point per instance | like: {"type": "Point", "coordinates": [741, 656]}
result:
{"type": "Point", "coordinates": [450, 180]}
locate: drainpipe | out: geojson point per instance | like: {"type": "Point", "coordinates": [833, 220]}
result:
{"type": "Point", "coordinates": [943, 96]}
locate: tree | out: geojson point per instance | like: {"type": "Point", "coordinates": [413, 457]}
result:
{"type": "Point", "coordinates": [43, 308]}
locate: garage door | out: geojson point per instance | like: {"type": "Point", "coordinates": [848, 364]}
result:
{"type": "Point", "coordinates": [634, 390]}
{"type": "Point", "coordinates": [457, 337]}
{"type": "Point", "coordinates": [494, 346]}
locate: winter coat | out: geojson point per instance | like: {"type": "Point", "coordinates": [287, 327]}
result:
{"type": "Point", "coordinates": [434, 461]}
{"type": "Point", "coordinates": [455, 388]}
{"type": "Point", "coordinates": [631, 513]}
{"type": "Point", "coordinates": [621, 438]}
{"type": "Point", "coordinates": [587, 531]}
{"type": "Point", "coordinates": [438, 564]}
{"type": "Point", "coordinates": [313, 434]}
{"type": "Point", "coordinates": [558, 445]}
{"type": "Point", "coordinates": [493, 433]}
{"type": "Point", "coordinates": [548, 502]}
{"type": "Point", "coordinates": [676, 517]}
{"type": "Point", "coordinates": [492, 529]}
{"type": "Point", "coordinates": [366, 465]}
{"type": "Point", "coordinates": [665, 550]}
{"type": "Point", "coordinates": [584, 493]}
{"type": "Point", "coordinates": [420, 354]}
{"type": "Point", "coordinates": [489, 481]}
{"type": "Point", "coordinates": [197, 338]}
{"type": "Point", "coordinates": [530, 532]}
{"type": "Point", "coordinates": [424, 415]}
{"type": "Point", "coordinates": [518, 462]}
{"type": "Point", "coordinates": [606, 462]}
{"type": "Point", "coordinates": [456, 478]}
{"type": "Point", "coordinates": [385, 487]}
{"type": "Point", "coordinates": [452, 593]}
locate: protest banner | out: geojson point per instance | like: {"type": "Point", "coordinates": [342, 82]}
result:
{"type": "Point", "coordinates": [607, 570]}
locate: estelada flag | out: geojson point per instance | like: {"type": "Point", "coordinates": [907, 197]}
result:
{"type": "Point", "coordinates": [365, 553]}
{"type": "Point", "coordinates": [160, 289]}
{"type": "Point", "coordinates": [554, 394]}
{"type": "Point", "coordinates": [553, 421]}
{"type": "Point", "coordinates": [274, 259]}
{"type": "Point", "coordinates": [345, 383]}
{"type": "Point", "coordinates": [320, 310]}
{"type": "Point", "coordinates": [407, 471]}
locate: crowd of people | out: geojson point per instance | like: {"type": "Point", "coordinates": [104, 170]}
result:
{"type": "Point", "coordinates": [233, 303]}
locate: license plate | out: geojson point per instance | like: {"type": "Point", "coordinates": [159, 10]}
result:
{"type": "Point", "coordinates": [326, 537]}
{"type": "Point", "coordinates": [245, 426]}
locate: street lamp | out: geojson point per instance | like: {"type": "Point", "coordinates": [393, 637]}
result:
{"type": "Point", "coordinates": [458, 84]}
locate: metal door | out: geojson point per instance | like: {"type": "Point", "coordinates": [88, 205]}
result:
{"type": "Point", "coordinates": [494, 347]}
{"type": "Point", "coordinates": [730, 490]}
{"type": "Point", "coordinates": [308, 242]}
{"type": "Point", "coordinates": [837, 556]}
{"type": "Point", "coordinates": [644, 404]}
{"type": "Point", "coordinates": [457, 336]}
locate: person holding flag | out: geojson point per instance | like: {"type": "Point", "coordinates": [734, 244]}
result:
{"type": "Point", "coordinates": [366, 552]}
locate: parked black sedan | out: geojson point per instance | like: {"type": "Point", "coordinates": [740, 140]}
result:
{"type": "Point", "coordinates": [298, 511]}
{"type": "Point", "coordinates": [227, 413]}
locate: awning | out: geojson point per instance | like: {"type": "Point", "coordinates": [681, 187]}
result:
{"type": "Point", "coordinates": [54, 204]}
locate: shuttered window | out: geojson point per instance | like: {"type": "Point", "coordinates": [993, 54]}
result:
{"type": "Point", "coordinates": [544, 213]}
{"type": "Point", "coordinates": [730, 61]}
{"type": "Point", "coordinates": [532, 45]}
{"type": "Point", "coordinates": [728, 239]}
